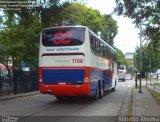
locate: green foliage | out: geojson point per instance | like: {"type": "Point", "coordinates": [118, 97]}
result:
{"type": "Point", "coordinates": [1, 20]}
{"type": "Point", "coordinates": [79, 14]}
{"type": "Point", "coordinates": [145, 12]}
{"type": "Point", "coordinates": [19, 41]}
{"type": "Point", "coordinates": [19, 37]}
{"type": "Point", "coordinates": [150, 59]}
{"type": "Point", "coordinates": [121, 57]}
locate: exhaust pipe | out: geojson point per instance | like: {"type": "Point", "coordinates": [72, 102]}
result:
{"type": "Point", "coordinates": [49, 92]}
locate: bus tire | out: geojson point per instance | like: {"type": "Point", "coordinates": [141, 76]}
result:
{"type": "Point", "coordinates": [113, 89]}
{"type": "Point", "coordinates": [101, 89]}
{"type": "Point", "coordinates": [96, 96]}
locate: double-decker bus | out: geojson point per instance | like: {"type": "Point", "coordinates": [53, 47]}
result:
{"type": "Point", "coordinates": [74, 61]}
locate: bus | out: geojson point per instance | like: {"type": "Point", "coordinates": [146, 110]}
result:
{"type": "Point", "coordinates": [73, 61]}
{"type": "Point", "coordinates": [121, 72]}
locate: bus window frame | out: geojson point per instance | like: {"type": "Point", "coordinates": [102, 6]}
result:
{"type": "Point", "coordinates": [97, 49]}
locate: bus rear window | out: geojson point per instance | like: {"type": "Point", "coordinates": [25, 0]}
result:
{"type": "Point", "coordinates": [122, 67]}
{"type": "Point", "coordinates": [63, 36]}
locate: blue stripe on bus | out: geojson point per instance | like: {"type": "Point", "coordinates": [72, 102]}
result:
{"type": "Point", "coordinates": [50, 76]}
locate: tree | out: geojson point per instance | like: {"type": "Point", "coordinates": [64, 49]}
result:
{"type": "Point", "coordinates": [144, 12]}
{"type": "Point", "coordinates": [150, 59]}
{"type": "Point", "coordinates": [120, 56]}
{"type": "Point", "coordinates": [79, 14]}
{"type": "Point", "coordinates": [20, 36]}
{"type": "Point", "coordinates": [109, 29]}
{"type": "Point", "coordinates": [20, 41]}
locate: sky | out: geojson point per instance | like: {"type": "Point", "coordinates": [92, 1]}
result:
{"type": "Point", "coordinates": [127, 38]}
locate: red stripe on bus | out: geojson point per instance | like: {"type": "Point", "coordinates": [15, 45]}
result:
{"type": "Point", "coordinates": [76, 53]}
{"type": "Point", "coordinates": [67, 90]}
{"type": "Point", "coordinates": [77, 67]}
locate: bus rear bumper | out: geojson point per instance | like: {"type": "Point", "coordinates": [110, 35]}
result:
{"type": "Point", "coordinates": [65, 90]}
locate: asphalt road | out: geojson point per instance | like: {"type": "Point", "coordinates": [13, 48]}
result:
{"type": "Point", "coordinates": [113, 104]}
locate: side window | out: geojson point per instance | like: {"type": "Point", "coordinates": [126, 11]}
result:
{"type": "Point", "coordinates": [109, 53]}
{"type": "Point", "coordinates": [103, 50]}
{"type": "Point", "coordinates": [97, 46]}
{"type": "Point", "coordinates": [113, 66]}
{"type": "Point", "coordinates": [112, 55]}
{"type": "Point", "coordinates": [115, 57]}
{"type": "Point", "coordinates": [106, 52]}
{"type": "Point", "coordinates": [92, 42]}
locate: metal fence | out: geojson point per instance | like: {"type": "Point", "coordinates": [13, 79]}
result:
{"type": "Point", "coordinates": [154, 84]}
{"type": "Point", "coordinates": [20, 82]}
{"type": "Point", "coordinates": [155, 87]}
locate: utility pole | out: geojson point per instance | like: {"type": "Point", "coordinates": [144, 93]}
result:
{"type": "Point", "coordinates": [136, 79]}
{"type": "Point", "coordinates": [150, 69]}
{"type": "Point", "coordinates": [140, 80]}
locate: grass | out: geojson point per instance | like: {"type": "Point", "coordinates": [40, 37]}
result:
{"type": "Point", "coordinates": [155, 94]}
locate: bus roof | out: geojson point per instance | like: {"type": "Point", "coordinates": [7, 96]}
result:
{"type": "Point", "coordinates": [64, 27]}
{"type": "Point", "coordinates": [80, 26]}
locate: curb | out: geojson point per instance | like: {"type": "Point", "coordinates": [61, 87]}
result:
{"type": "Point", "coordinates": [129, 101]}
{"type": "Point", "coordinates": [18, 96]}
{"type": "Point", "coordinates": [130, 106]}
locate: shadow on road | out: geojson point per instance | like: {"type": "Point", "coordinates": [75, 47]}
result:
{"type": "Point", "coordinates": [80, 100]}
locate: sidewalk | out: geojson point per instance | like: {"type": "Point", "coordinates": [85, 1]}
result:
{"type": "Point", "coordinates": [145, 104]}
{"type": "Point", "coordinates": [18, 95]}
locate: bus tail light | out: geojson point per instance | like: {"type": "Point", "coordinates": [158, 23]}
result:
{"type": "Point", "coordinates": [86, 75]}
{"type": "Point", "coordinates": [40, 74]}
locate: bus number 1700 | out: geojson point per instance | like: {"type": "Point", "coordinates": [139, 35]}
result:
{"type": "Point", "coordinates": [79, 61]}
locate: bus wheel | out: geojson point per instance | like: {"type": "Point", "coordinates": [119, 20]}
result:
{"type": "Point", "coordinates": [96, 96]}
{"type": "Point", "coordinates": [113, 89]}
{"type": "Point", "coordinates": [101, 92]}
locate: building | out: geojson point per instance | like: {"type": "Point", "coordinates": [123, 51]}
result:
{"type": "Point", "coordinates": [129, 56]}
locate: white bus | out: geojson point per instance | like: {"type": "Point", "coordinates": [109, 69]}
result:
{"type": "Point", "coordinates": [121, 72]}
{"type": "Point", "coordinates": [74, 61]}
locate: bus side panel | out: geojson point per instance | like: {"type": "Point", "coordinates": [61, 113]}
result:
{"type": "Point", "coordinates": [99, 75]}
{"type": "Point", "coordinates": [107, 80]}
{"type": "Point", "coordinates": [94, 77]}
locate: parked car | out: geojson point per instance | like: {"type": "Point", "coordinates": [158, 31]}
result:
{"type": "Point", "coordinates": [128, 77]}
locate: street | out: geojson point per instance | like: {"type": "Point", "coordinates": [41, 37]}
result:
{"type": "Point", "coordinates": [114, 103]}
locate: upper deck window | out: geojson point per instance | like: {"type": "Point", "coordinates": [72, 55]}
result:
{"type": "Point", "coordinates": [70, 36]}
{"type": "Point", "coordinates": [121, 67]}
